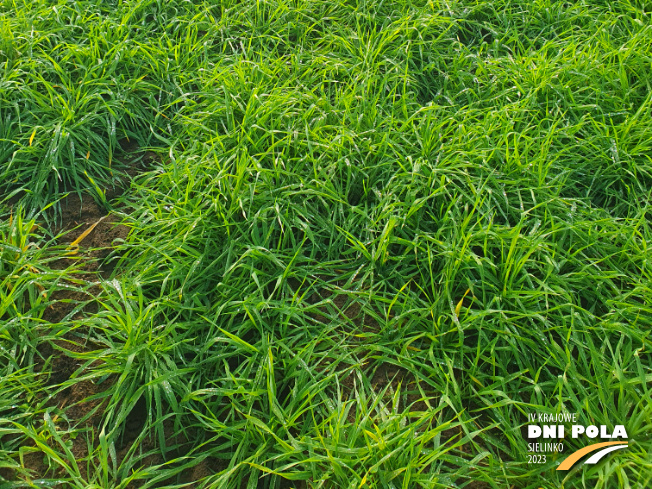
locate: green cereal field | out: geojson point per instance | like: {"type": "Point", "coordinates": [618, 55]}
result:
{"type": "Point", "coordinates": [301, 244]}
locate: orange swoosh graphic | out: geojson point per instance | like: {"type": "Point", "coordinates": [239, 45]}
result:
{"type": "Point", "coordinates": [575, 456]}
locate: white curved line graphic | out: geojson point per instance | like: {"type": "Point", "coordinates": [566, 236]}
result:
{"type": "Point", "coordinates": [595, 458]}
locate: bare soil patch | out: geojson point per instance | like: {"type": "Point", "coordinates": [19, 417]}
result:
{"type": "Point", "coordinates": [81, 214]}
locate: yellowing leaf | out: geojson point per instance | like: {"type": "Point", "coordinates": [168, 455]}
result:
{"type": "Point", "coordinates": [371, 435]}
{"type": "Point", "coordinates": [476, 381]}
{"type": "Point", "coordinates": [31, 138]}
{"type": "Point", "coordinates": [459, 304]}
{"type": "Point", "coordinates": [75, 244]}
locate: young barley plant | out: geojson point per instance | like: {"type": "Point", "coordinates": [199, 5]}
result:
{"type": "Point", "coordinates": [375, 236]}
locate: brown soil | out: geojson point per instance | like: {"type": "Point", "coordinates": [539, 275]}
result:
{"type": "Point", "coordinates": [63, 302]}
{"type": "Point", "coordinates": [79, 215]}
{"type": "Point", "coordinates": [136, 162]}
{"type": "Point", "coordinates": [393, 376]}
{"type": "Point", "coordinates": [206, 468]}
{"type": "Point", "coordinates": [342, 306]}
{"type": "Point", "coordinates": [73, 301]}
{"type": "Point", "coordinates": [73, 400]}
{"type": "Point", "coordinates": [477, 485]}
{"type": "Point", "coordinates": [134, 425]}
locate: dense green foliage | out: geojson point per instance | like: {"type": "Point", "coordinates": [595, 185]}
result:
{"type": "Point", "coordinates": [378, 235]}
